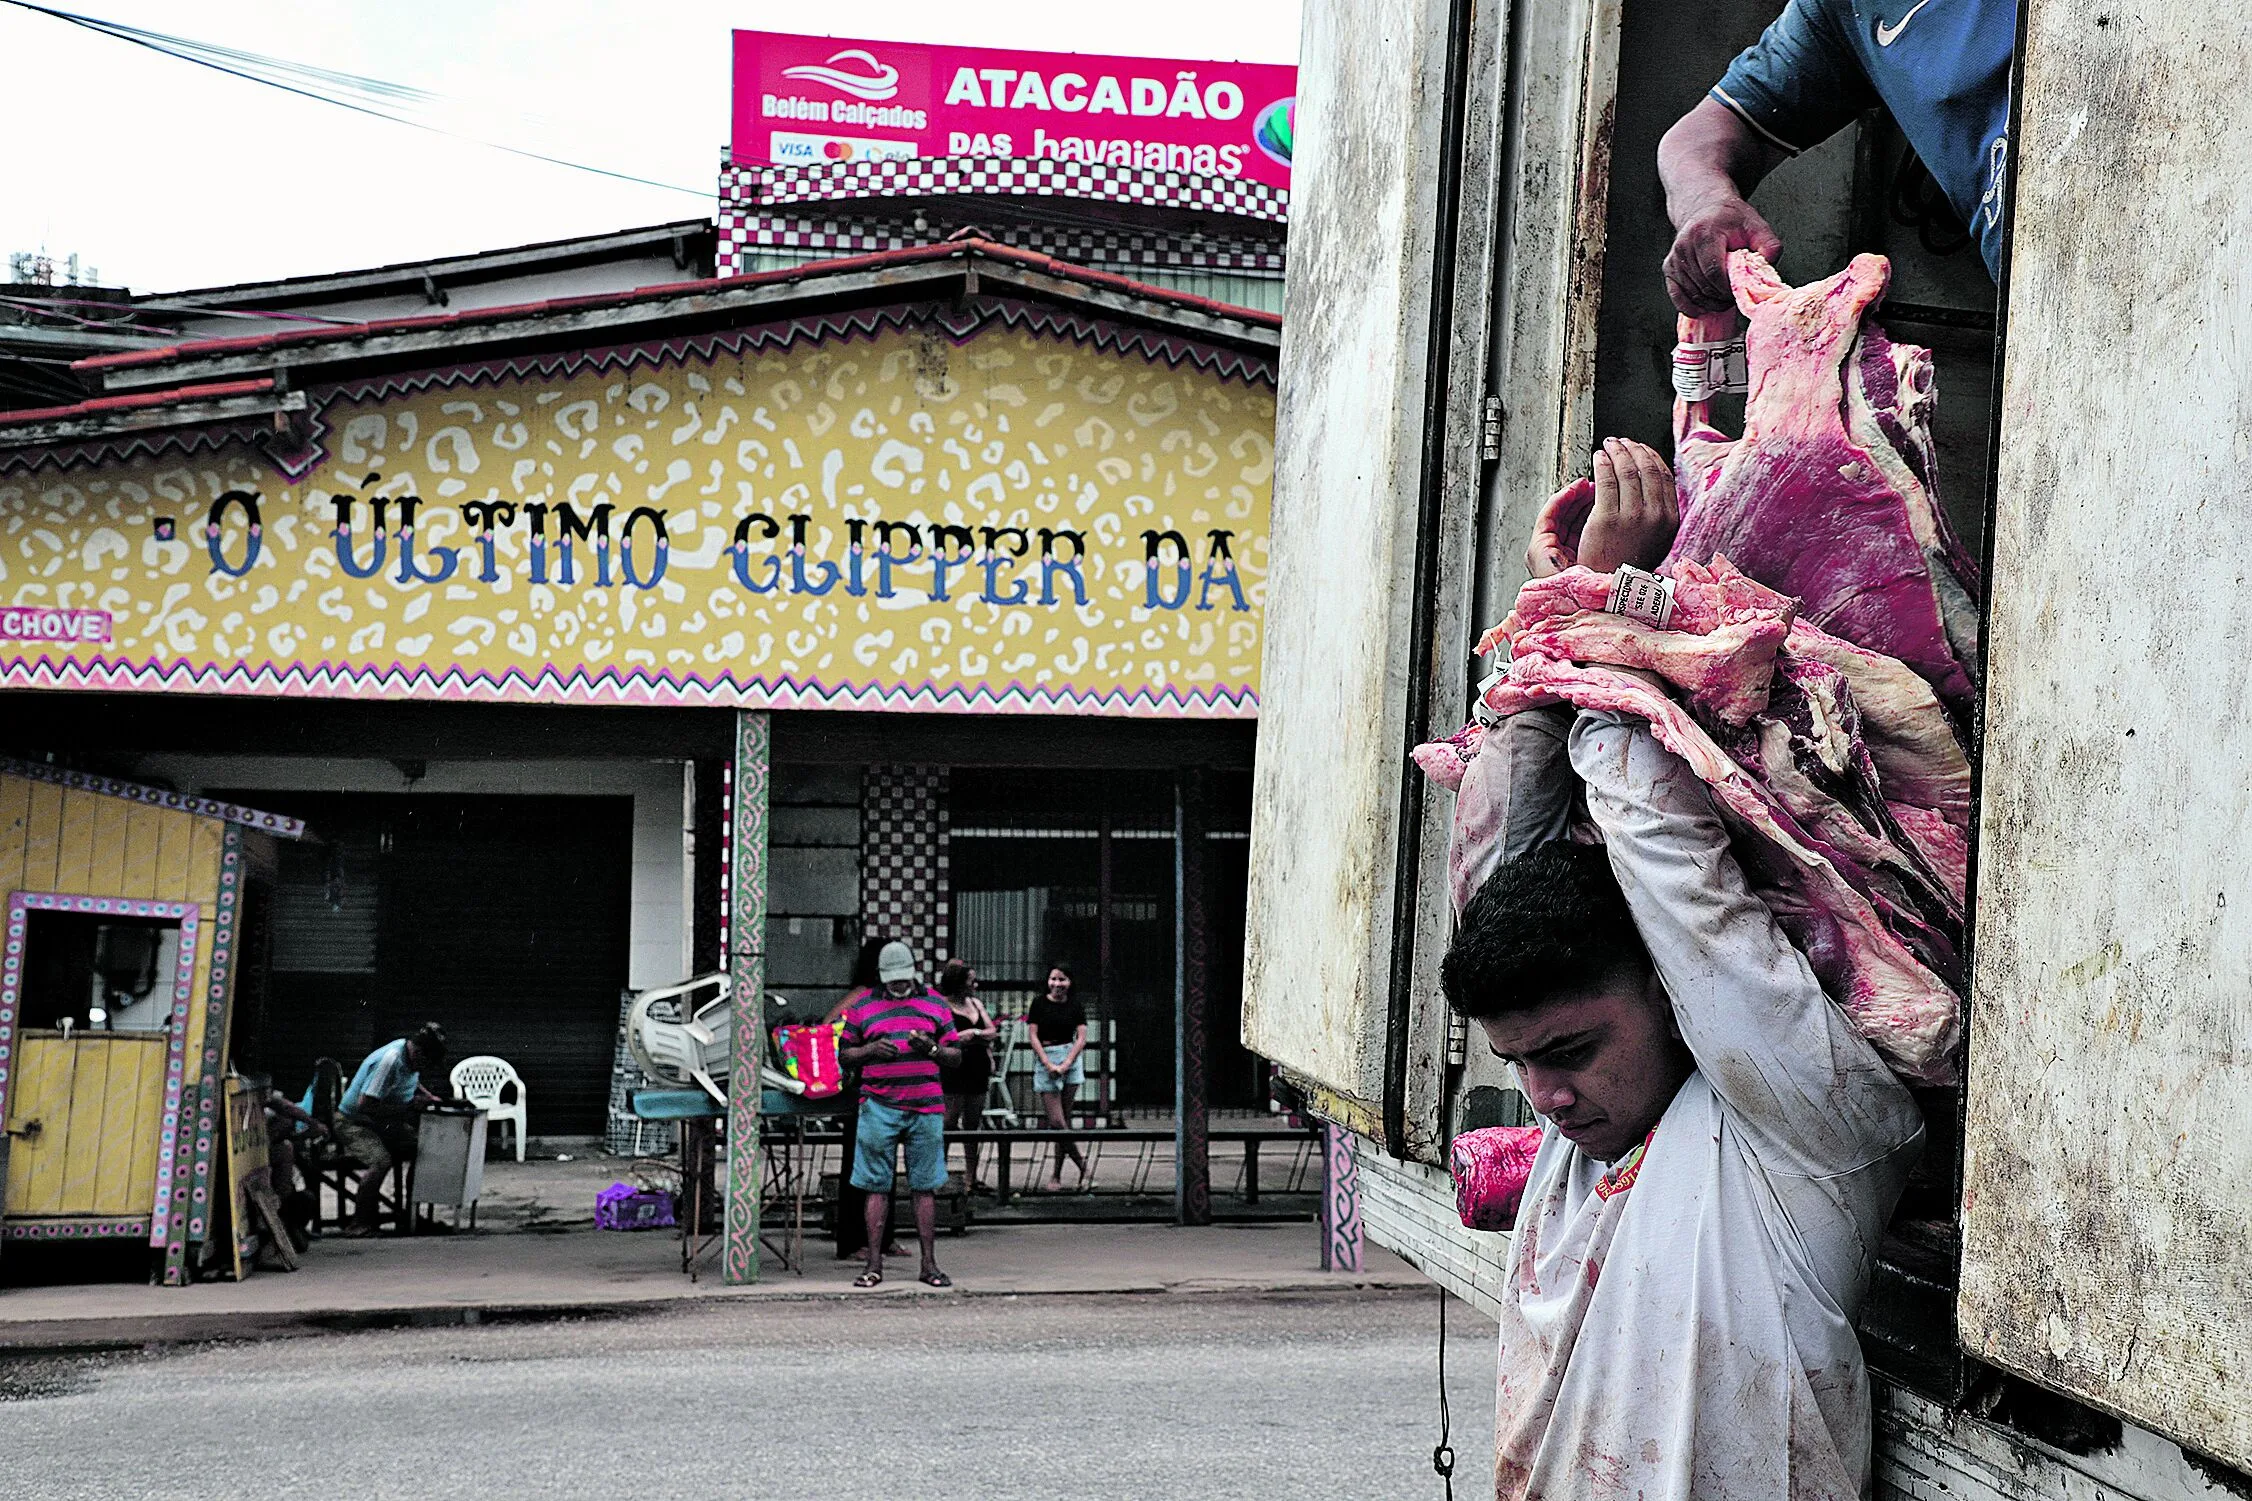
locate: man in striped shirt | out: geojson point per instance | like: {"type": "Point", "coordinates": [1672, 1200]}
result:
{"type": "Point", "coordinates": [897, 1038]}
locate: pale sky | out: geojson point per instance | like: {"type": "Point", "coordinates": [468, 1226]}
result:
{"type": "Point", "coordinates": [165, 175]}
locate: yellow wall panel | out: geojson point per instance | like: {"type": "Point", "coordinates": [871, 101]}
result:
{"type": "Point", "coordinates": [106, 860]}
{"type": "Point", "coordinates": [74, 850]}
{"type": "Point", "coordinates": [207, 842]}
{"type": "Point", "coordinates": [40, 1092]}
{"type": "Point", "coordinates": [15, 814]}
{"type": "Point", "coordinates": [174, 853]}
{"type": "Point", "coordinates": [84, 1139]}
{"type": "Point", "coordinates": [126, 1136]}
{"type": "Point", "coordinates": [42, 837]}
{"type": "Point", "coordinates": [144, 830]}
{"type": "Point", "coordinates": [99, 1102]}
{"type": "Point", "coordinates": [139, 1194]}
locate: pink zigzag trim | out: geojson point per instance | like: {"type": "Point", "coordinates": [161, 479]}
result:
{"type": "Point", "coordinates": [960, 325]}
{"type": "Point", "coordinates": [637, 686]}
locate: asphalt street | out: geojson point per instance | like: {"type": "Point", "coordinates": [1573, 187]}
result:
{"type": "Point", "coordinates": [1204, 1396]}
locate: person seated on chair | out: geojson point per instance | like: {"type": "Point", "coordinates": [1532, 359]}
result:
{"type": "Point", "coordinates": [899, 1038]}
{"type": "Point", "coordinates": [288, 1126]}
{"type": "Point", "coordinates": [375, 1121]}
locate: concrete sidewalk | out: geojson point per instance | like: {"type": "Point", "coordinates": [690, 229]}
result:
{"type": "Point", "coordinates": [464, 1278]}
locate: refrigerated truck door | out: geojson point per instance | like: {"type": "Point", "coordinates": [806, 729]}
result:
{"type": "Point", "coordinates": [2107, 1201]}
{"type": "Point", "coordinates": [1446, 255]}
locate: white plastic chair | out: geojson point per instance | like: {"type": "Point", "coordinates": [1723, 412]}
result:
{"type": "Point", "coordinates": [481, 1079]}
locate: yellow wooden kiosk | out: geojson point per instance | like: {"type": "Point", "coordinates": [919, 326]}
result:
{"type": "Point", "coordinates": [127, 909]}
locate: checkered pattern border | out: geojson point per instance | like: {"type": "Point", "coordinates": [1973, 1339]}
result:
{"type": "Point", "coordinates": [1110, 250]}
{"type": "Point", "coordinates": [936, 176]}
{"type": "Point", "coordinates": [904, 881]}
{"type": "Point", "coordinates": [767, 208]}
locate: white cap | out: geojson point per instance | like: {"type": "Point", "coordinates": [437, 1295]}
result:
{"type": "Point", "coordinates": [896, 962]}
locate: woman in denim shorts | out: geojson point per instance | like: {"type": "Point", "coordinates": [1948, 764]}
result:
{"type": "Point", "coordinates": [1059, 1039]}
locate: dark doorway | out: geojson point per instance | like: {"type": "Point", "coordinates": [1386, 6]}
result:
{"type": "Point", "coordinates": [1235, 1077]}
{"type": "Point", "coordinates": [1042, 862]}
{"type": "Point", "coordinates": [503, 919]}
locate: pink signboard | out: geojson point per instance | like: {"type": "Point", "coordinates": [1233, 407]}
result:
{"type": "Point", "coordinates": [804, 100]}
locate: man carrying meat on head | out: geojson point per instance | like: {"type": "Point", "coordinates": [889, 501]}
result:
{"type": "Point", "coordinates": [1942, 67]}
{"type": "Point", "coordinates": [1722, 1149]}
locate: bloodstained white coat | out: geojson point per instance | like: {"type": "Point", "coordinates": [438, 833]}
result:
{"type": "Point", "coordinates": [1680, 1324]}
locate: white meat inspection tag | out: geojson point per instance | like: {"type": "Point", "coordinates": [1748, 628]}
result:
{"type": "Point", "coordinates": [1641, 596]}
{"type": "Point", "coordinates": [1703, 371]}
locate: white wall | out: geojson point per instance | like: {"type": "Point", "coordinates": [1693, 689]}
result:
{"type": "Point", "coordinates": [659, 941]}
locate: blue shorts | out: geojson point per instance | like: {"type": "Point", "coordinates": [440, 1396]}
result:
{"type": "Point", "coordinates": [883, 1127]}
{"type": "Point", "coordinates": [1048, 1081]}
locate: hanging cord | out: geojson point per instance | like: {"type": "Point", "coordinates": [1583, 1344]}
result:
{"type": "Point", "coordinates": [1442, 1455]}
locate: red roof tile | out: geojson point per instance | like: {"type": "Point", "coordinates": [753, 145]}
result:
{"type": "Point", "coordinates": [811, 271]}
{"type": "Point", "coordinates": [171, 397]}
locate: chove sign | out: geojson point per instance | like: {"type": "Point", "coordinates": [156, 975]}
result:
{"type": "Point", "coordinates": [1012, 523]}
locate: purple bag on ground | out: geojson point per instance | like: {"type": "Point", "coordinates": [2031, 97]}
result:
{"type": "Point", "coordinates": [621, 1206]}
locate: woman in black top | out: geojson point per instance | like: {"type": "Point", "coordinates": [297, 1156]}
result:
{"type": "Point", "coordinates": [964, 1084]}
{"type": "Point", "coordinates": [1059, 1038]}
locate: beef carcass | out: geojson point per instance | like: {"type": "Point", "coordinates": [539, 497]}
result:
{"type": "Point", "coordinates": [1919, 764]}
{"type": "Point", "coordinates": [1876, 915]}
{"type": "Point", "coordinates": [1829, 496]}
{"type": "Point", "coordinates": [1864, 879]}
{"type": "Point", "coordinates": [1815, 670]}
{"type": "Point", "coordinates": [1705, 598]}
{"type": "Point", "coordinates": [1894, 997]}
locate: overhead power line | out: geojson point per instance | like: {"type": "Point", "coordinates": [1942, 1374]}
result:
{"type": "Point", "coordinates": [396, 102]}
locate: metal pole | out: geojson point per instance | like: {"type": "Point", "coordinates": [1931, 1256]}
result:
{"type": "Point", "coordinates": [1192, 1158]}
{"type": "Point", "coordinates": [1102, 964]}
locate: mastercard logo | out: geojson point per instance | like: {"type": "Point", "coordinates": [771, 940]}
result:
{"type": "Point", "coordinates": [1276, 129]}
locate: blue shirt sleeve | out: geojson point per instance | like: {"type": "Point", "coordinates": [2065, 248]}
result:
{"type": "Point", "coordinates": [384, 1076]}
{"type": "Point", "coordinates": [1801, 82]}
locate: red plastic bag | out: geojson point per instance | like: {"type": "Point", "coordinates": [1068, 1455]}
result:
{"type": "Point", "coordinates": [810, 1055]}
{"type": "Point", "coordinates": [1491, 1168]}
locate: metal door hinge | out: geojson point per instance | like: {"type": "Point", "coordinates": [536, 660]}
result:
{"type": "Point", "coordinates": [1489, 430]}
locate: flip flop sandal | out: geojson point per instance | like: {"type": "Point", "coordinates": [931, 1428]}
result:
{"type": "Point", "coordinates": [936, 1279]}
{"type": "Point", "coordinates": [868, 1279]}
